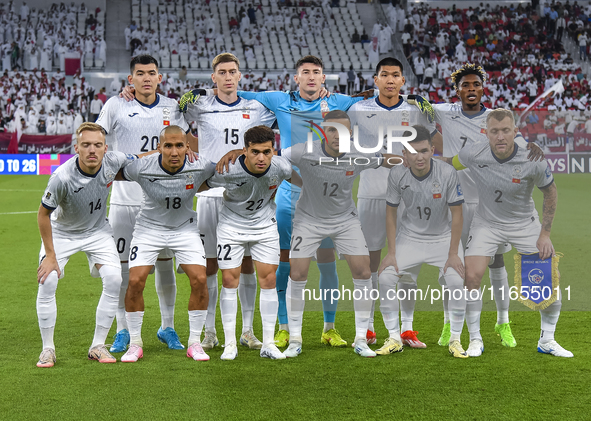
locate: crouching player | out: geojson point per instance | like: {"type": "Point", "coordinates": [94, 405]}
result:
{"type": "Point", "coordinates": [430, 190]}
{"type": "Point", "coordinates": [326, 209]}
{"type": "Point", "coordinates": [247, 222]}
{"type": "Point", "coordinates": [506, 213]}
{"type": "Point", "coordinates": [76, 200]}
{"type": "Point", "coordinates": [166, 222]}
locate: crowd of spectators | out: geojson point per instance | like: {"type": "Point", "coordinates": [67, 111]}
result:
{"type": "Point", "coordinates": [38, 39]}
{"type": "Point", "coordinates": [188, 31]}
{"type": "Point", "coordinates": [41, 103]}
{"type": "Point", "coordinates": [520, 47]}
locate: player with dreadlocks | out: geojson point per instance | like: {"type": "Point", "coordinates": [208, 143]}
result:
{"type": "Point", "coordinates": [462, 124]}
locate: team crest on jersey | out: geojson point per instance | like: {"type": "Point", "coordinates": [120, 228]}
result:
{"type": "Point", "coordinates": [405, 118]}
{"type": "Point", "coordinates": [350, 170]}
{"type": "Point", "coordinates": [483, 127]}
{"type": "Point", "coordinates": [109, 184]}
{"type": "Point", "coordinates": [273, 182]}
{"type": "Point", "coordinates": [246, 114]}
{"type": "Point", "coordinates": [166, 116]}
{"type": "Point", "coordinates": [516, 174]}
{"type": "Point", "coordinates": [324, 108]}
{"type": "Point", "coordinates": [436, 190]}
{"type": "Point", "coordinates": [189, 183]}
{"type": "Point", "coordinates": [48, 196]}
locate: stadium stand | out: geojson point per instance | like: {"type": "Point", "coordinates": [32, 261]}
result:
{"type": "Point", "coordinates": [43, 37]}
{"type": "Point", "coordinates": [264, 37]}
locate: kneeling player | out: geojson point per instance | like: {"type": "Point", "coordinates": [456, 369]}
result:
{"type": "Point", "coordinates": [326, 209]}
{"type": "Point", "coordinates": [77, 192]}
{"type": "Point", "coordinates": [506, 213]}
{"type": "Point", "coordinates": [430, 190]}
{"type": "Point", "coordinates": [166, 222]}
{"type": "Point", "coordinates": [247, 222]}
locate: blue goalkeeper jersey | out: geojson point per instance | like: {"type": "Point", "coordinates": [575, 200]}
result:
{"type": "Point", "coordinates": [296, 116]}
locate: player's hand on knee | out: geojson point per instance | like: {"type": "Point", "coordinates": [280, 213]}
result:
{"type": "Point", "coordinates": [224, 163]}
{"type": "Point", "coordinates": [454, 262]}
{"type": "Point", "coordinates": [48, 265]}
{"type": "Point", "coordinates": [389, 260]}
{"type": "Point", "coordinates": [545, 247]}
{"type": "Point", "coordinates": [128, 93]}
{"type": "Point", "coordinates": [535, 152]}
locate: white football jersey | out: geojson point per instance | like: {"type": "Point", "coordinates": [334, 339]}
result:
{"type": "Point", "coordinates": [168, 197]}
{"type": "Point", "coordinates": [426, 216]}
{"type": "Point", "coordinates": [371, 115]}
{"type": "Point", "coordinates": [327, 191]}
{"type": "Point", "coordinates": [133, 127]}
{"type": "Point", "coordinates": [221, 126]}
{"type": "Point", "coordinates": [505, 186]}
{"type": "Point", "coordinates": [248, 199]}
{"type": "Point", "coordinates": [80, 199]}
{"type": "Point", "coordinates": [459, 130]}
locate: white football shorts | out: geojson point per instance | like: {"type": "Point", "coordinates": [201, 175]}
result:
{"type": "Point", "coordinates": [99, 248]}
{"type": "Point", "coordinates": [347, 237]}
{"type": "Point", "coordinates": [468, 211]}
{"type": "Point", "coordinates": [233, 245]}
{"type": "Point", "coordinates": [484, 240]}
{"type": "Point", "coordinates": [184, 244]}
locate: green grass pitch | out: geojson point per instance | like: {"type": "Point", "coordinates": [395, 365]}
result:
{"type": "Point", "coordinates": [503, 384]}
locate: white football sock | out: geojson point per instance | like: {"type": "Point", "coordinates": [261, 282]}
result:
{"type": "Point", "coordinates": [229, 308]}
{"type": "Point", "coordinates": [362, 307]}
{"type": "Point", "coordinates": [389, 304]}
{"type": "Point", "coordinates": [408, 299]}
{"type": "Point", "coordinates": [166, 290]}
{"type": "Point", "coordinates": [196, 321]}
{"type": "Point", "coordinates": [134, 321]}
{"type": "Point", "coordinates": [268, 307]}
{"type": "Point", "coordinates": [284, 327]}
{"type": "Point", "coordinates": [294, 300]}
{"type": "Point", "coordinates": [328, 326]}
{"type": "Point", "coordinates": [445, 301]}
{"type": "Point", "coordinates": [107, 306]}
{"type": "Point", "coordinates": [473, 310]}
{"type": "Point", "coordinates": [500, 286]}
{"type": "Point", "coordinates": [456, 296]}
{"type": "Point", "coordinates": [374, 285]}
{"type": "Point", "coordinates": [120, 316]}
{"type": "Point", "coordinates": [47, 309]}
{"type": "Point", "coordinates": [212, 289]}
{"type": "Point", "coordinates": [247, 292]}
{"type": "Point", "coordinates": [549, 317]}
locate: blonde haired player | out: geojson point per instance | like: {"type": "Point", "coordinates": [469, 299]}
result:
{"type": "Point", "coordinates": [72, 218]}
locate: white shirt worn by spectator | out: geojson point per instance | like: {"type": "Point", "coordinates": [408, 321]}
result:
{"type": "Point", "coordinates": [95, 106]}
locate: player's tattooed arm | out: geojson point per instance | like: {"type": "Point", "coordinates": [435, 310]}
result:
{"type": "Point", "coordinates": [49, 262]}
{"type": "Point", "coordinates": [390, 258]}
{"type": "Point", "coordinates": [535, 152]}
{"type": "Point", "coordinates": [549, 210]}
{"type": "Point", "coordinates": [230, 157]}
{"type": "Point", "coordinates": [453, 259]}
